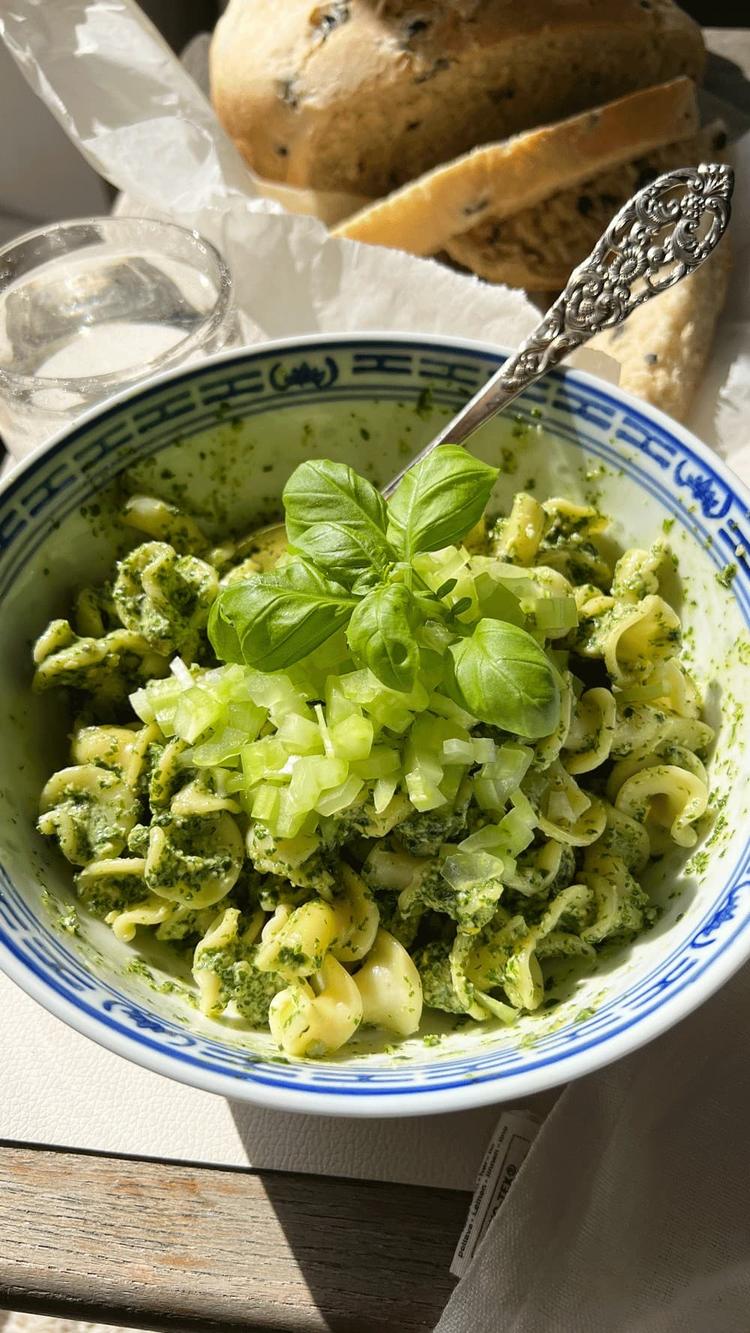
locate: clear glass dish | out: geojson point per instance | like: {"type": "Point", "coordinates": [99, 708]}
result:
{"type": "Point", "coordinates": [90, 307]}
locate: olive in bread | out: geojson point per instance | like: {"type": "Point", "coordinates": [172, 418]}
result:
{"type": "Point", "coordinates": [500, 180]}
{"type": "Point", "coordinates": [664, 346]}
{"type": "Point", "coordinates": [536, 248]}
{"type": "Point", "coordinates": [362, 96]}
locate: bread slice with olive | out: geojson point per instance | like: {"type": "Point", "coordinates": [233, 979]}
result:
{"type": "Point", "coordinates": [362, 96]}
{"type": "Point", "coordinates": [475, 193]}
{"type": "Point", "coordinates": [664, 346]}
{"type": "Point", "coordinates": [537, 247]}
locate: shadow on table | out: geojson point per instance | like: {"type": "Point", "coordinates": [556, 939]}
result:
{"type": "Point", "coordinates": [374, 1256]}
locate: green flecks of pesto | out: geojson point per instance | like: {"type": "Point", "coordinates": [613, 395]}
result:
{"type": "Point", "coordinates": [698, 864]}
{"type": "Point", "coordinates": [726, 576]}
{"type": "Point", "coordinates": [424, 404]}
{"type": "Point", "coordinates": [583, 1015]}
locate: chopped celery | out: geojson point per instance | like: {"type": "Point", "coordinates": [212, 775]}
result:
{"type": "Point", "coordinates": [196, 712]}
{"type": "Point", "coordinates": [352, 738]}
{"type": "Point", "coordinates": [300, 734]}
{"type": "Point", "coordinates": [380, 763]}
{"type": "Point", "coordinates": [383, 793]}
{"type": "Point", "coordinates": [223, 745]}
{"type": "Point", "coordinates": [339, 798]}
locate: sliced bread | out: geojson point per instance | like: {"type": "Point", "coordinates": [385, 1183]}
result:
{"type": "Point", "coordinates": [537, 247]}
{"type": "Point", "coordinates": [500, 180]}
{"type": "Point", "coordinates": [362, 96]}
{"type": "Point", "coordinates": [664, 346]}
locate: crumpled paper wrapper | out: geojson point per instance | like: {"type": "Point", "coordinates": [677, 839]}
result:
{"type": "Point", "coordinates": [142, 122]}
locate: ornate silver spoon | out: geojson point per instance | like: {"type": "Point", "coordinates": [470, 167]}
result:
{"type": "Point", "coordinates": [659, 237]}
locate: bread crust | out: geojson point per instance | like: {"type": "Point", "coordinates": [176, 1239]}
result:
{"type": "Point", "coordinates": [500, 180]}
{"type": "Point", "coordinates": [362, 96]}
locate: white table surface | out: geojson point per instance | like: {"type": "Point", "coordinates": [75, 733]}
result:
{"type": "Point", "coordinates": [61, 1089]}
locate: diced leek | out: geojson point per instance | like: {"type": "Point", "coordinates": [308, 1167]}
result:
{"type": "Point", "coordinates": [554, 614]}
{"type": "Point", "coordinates": [484, 750]}
{"type": "Point", "coordinates": [266, 803]}
{"type": "Point", "coordinates": [516, 831]}
{"type": "Point", "coordinates": [504, 1012]}
{"type": "Point", "coordinates": [162, 696]}
{"type": "Point", "coordinates": [141, 706]}
{"type": "Point", "coordinates": [246, 717]}
{"type": "Point", "coordinates": [466, 868]}
{"type": "Point", "coordinates": [289, 819]}
{"type": "Point", "coordinates": [486, 794]}
{"type": "Point", "coordinates": [181, 672]}
{"type": "Point", "coordinates": [445, 707]}
{"type": "Point", "coordinates": [314, 774]}
{"type": "Point", "coordinates": [456, 751]}
{"type": "Point", "coordinates": [507, 769]}
{"type": "Point", "coordinates": [424, 794]}
{"type": "Point", "coordinates": [338, 706]}
{"type": "Point", "coordinates": [497, 601]}
{"type": "Point", "coordinates": [276, 693]}
{"type": "Point", "coordinates": [263, 759]}
{"type": "Point", "coordinates": [487, 839]}
{"type": "Point", "coordinates": [451, 781]}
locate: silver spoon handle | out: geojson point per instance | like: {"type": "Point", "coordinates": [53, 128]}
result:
{"type": "Point", "coordinates": [660, 236]}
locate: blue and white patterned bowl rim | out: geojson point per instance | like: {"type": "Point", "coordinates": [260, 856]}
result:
{"type": "Point", "coordinates": [38, 961]}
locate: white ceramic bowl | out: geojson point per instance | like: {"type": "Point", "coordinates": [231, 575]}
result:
{"type": "Point", "coordinates": [230, 431]}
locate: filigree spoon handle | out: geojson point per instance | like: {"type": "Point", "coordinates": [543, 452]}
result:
{"type": "Point", "coordinates": [661, 235]}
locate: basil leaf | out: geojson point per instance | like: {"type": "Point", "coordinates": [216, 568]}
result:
{"type": "Point", "coordinates": [381, 635]}
{"type": "Point", "coordinates": [350, 510]}
{"type": "Point", "coordinates": [438, 501]}
{"type": "Point", "coordinates": [274, 619]}
{"type": "Point", "coordinates": [347, 554]}
{"type": "Point", "coordinates": [506, 679]}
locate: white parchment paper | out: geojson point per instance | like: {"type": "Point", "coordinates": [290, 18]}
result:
{"type": "Point", "coordinates": [141, 121]}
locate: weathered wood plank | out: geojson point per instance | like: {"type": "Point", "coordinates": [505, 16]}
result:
{"type": "Point", "coordinates": [167, 1246]}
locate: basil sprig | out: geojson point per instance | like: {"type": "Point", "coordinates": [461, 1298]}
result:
{"type": "Point", "coordinates": [275, 619]}
{"type": "Point", "coordinates": [381, 635]}
{"type": "Point", "coordinates": [350, 566]}
{"type": "Point", "coordinates": [504, 677]}
{"type": "Point", "coordinates": [337, 519]}
{"type": "Point", "coordinates": [439, 500]}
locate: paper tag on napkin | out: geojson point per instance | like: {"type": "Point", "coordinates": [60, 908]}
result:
{"type": "Point", "coordinates": [514, 1134]}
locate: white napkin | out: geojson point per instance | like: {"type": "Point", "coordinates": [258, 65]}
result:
{"type": "Point", "coordinates": [630, 1214]}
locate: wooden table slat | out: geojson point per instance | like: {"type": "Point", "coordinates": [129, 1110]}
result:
{"type": "Point", "coordinates": [152, 1245]}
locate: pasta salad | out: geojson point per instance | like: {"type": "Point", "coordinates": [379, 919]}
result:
{"type": "Point", "coordinates": [406, 757]}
